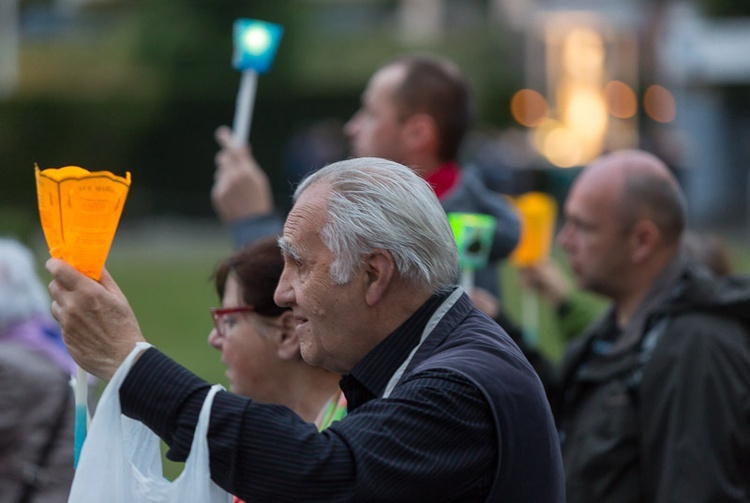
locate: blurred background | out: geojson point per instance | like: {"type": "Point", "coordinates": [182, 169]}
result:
{"type": "Point", "coordinates": [140, 86]}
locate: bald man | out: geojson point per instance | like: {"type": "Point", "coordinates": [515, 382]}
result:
{"type": "Point", "coordinates": [655, 396]}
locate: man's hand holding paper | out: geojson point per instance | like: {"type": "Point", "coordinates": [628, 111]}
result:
{"type": "Point", "coordinates": [98, 324]}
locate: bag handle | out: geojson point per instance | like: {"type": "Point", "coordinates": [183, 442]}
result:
{"type": "Point", "coordinates": [122, 371]}
{"type": "Point", "coordinates": [198, 460]}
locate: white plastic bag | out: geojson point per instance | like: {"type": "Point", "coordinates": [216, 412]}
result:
{"type": "Point", "coordinates": [121, 458]}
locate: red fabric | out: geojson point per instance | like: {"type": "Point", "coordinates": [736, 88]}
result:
{"type": "Point", "coordinates": [444, 179]}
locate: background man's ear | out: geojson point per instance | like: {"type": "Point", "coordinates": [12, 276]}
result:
{"type": "Point", "coordinates": [644, 240]}
{"type": "Point", "coordinates": [421, 131]}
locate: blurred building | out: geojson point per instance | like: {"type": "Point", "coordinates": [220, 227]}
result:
{"type": "Point", "coordinates": [707, 64]}
{"type": "Point", "coordinates": [605, 75]}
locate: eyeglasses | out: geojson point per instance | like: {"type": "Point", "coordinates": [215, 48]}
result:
{"type": "Point", "coordinates": [219, 315]}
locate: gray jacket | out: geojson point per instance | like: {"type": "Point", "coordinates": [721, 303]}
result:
{"type": "Point", "coordinates": [33, 394]}
{"type": "Point", "coordinates": [666, 417]}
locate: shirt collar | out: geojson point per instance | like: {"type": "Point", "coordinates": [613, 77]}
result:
{"type": "Point", "coordinates": [661, 289]}
{"type": "Point", "coordinates": [369, 377]}
{"type": "Point", "coordinates": [444, 178]}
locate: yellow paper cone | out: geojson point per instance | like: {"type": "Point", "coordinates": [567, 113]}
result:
{"type": "Point", "coordinates": [80, 211]}
{"type": "Point", "coordinates": [538, 213]}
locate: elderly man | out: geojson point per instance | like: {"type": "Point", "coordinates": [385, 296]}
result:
{"type": "Point", "coordinates": [655, 396]}
{"type": "Point", "coordinates": [442, 405]}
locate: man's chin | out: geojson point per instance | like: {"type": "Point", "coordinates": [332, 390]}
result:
{"type": "Point", "coordinates": [310, 356]}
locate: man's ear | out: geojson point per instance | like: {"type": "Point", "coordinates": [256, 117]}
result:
{"type": "Point", "coordinates": [421, 132]}
{"type": "Point", "coordinates": [644, 239]}
{"type": "Point", "coordinates": [286, 338]}
{"type": "Point", "coordinates": [380, 271]}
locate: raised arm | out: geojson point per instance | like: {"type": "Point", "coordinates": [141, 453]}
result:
{"type": "Point", "coordinates": [98, 324]}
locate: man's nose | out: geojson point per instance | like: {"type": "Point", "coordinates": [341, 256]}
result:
{"type": "Point", "coordinates": [283, 296]}
{"type": "Point", "coordinates": [350, 128]}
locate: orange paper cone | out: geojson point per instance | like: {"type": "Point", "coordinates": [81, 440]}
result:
{"type": "Point", "coordinates": [80, 211]}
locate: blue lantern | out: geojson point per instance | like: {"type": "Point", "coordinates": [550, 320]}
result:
{"type": "Point", "coordinates": [255, 44]}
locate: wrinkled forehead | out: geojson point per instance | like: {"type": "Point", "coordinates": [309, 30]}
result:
{"type": "Point", "coordinates": [308, 215]}
{"type": "Point", "coordinates": [312, 202]}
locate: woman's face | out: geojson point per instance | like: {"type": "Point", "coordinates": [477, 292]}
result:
{"type": "Point", "coordinates": [248, 348]}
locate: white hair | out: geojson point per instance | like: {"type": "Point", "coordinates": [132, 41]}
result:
{"type": "Point", "coordinates": [380, 204]}
{"type": "Point", "coordinates": [22, 294]}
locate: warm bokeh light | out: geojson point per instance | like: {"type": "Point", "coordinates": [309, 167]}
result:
{"type": "Point", "coordinates": [621, 99]}
{"type": "Point", "coordinates": [528, 107]}
{"type": "Point", "coordinates": [559, 144]}
{"type": "Point", "coordinates": [584, 74]}
{"type": "Point", "coordinates": [562, 147]}
{"type": "Point", "coordinates": [541, 131]}
{"type": "Point", "coordinates": [579, 99]}
{"type": "Point", "coordinates": [583, 52]}
{"type": "Point", "coordinates": [659, 104]}
{"type": "Point", "coordinates": [585, 113]}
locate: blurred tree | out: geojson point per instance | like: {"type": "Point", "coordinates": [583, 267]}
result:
{"type": "Point", "coordinates": [189, 46]}
{"type": "Point", "coordinates": [725, 8]}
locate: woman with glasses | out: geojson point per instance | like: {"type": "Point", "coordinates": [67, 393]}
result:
{"type": "Point", "coordinates": [258, 343]}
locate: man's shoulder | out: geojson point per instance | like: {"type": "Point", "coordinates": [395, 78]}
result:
{"type": "Point", "coordinates": [470, 184]}
{"type": "Point", "coordinates": [707, 329]}
{"type": "Point", "coordinates": [480, 349]}
{"type": "Point", "coordinates": [711, 316]}
{"type": "Point", "coordinates": [710, 308]}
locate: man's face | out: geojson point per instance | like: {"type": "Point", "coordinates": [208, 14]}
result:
{"type": "Point", "coordinates": [330, 319]}
{"type": "Point", "coordinates": [593, 236]}
{"type": "Point", "coordinates": [376, 129]}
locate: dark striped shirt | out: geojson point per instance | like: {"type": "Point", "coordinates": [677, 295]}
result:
{"type": "Point", "coordinates": [432, 439]}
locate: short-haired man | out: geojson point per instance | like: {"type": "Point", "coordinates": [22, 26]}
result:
{"type": "Point", "coordinates": [655, 402]}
